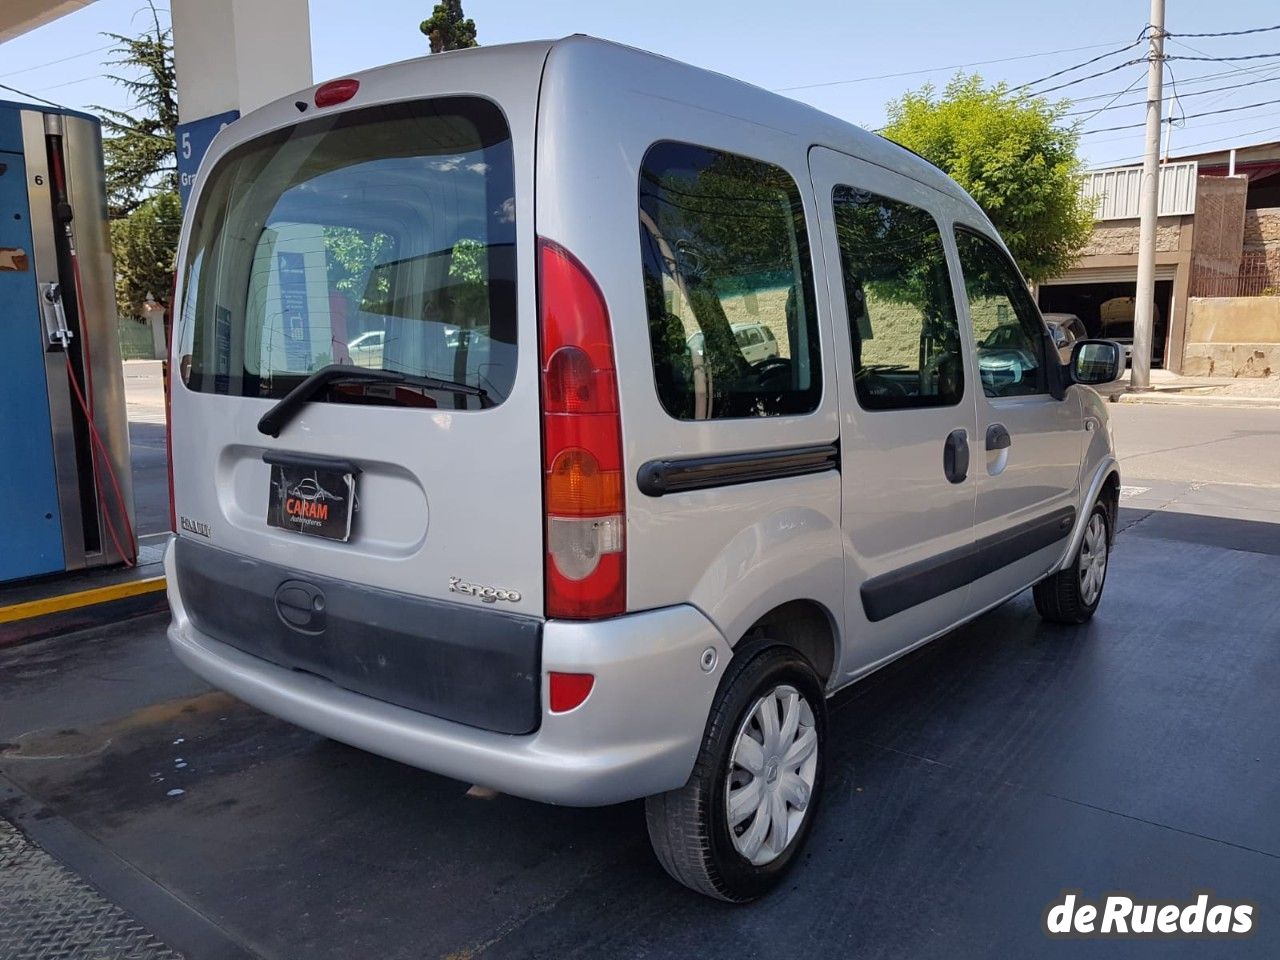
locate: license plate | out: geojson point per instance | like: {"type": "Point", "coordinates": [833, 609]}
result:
{"type": "Point", "coordinates": [312, 500]}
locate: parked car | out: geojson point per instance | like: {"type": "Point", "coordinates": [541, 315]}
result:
{"type": "Point", "coordinates": [578, 563]}
{"type": "Point", "coordinates": [756, 341]}
{"type": "Point", "coordinates": [1065, 329]}
{"type": "Point", "coordinates": [366, 349]}
{"type": "Point", "coordinates": [1117, 323]}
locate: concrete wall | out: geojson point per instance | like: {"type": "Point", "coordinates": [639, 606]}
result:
{"type": "Point", "coordinates": [1232, 337]}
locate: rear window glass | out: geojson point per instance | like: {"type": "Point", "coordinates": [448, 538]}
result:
{"type": "Point", "coordinates": [380, 238]}
{"type": "Point", "coordinates": [728, 285]}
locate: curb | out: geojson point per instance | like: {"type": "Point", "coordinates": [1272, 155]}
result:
{"type": "Point", "coordinates": [1203, 400]}
{"type": "Point", "coordinates": [80, 610]}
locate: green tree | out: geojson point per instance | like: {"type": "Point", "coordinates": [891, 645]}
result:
{"type": "Point", "coordinates": [139, 146]}
{"type": "Point", "coordinates": [1011, 153]}
{"type": "Point", "coordinates": [141, 167]}
{"type": "Point", "coordinates": [448, 28]}
{"type": "Point", "coordinates": [143, 245]}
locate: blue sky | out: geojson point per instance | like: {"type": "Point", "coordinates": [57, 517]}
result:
{"type": "Point", "coordinates": [815, 45]}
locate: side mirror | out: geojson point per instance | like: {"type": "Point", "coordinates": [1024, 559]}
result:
{"type": "Point", "coordinates": [1095, 362]}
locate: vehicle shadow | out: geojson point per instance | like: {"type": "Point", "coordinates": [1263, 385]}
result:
{"type": "Point", "coordinates": [968, 783]}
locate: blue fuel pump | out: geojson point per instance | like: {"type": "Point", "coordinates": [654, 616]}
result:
{"type": "Point", "coordinates": [65, 496]}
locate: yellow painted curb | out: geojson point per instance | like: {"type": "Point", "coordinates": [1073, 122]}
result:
{"type": "Point", "coordinates": [84, 598]}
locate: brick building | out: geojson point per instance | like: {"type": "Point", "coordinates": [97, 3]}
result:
{"type": "Point", "coordinates": [1218, 240]}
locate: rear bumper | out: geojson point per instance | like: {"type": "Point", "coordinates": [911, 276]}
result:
{"type": "Point", "coordinates": [637, 734]}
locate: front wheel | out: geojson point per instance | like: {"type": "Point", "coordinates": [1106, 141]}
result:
{"type": "Point", "coordinates": [735, 828]}
{"type": "Point", "coordinates": [1072, 595]}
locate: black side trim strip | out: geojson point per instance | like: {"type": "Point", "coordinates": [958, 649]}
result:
{"type": "Point", "coordinates": [660, 477]}
{"type": "Point", "coordinates": [901, 589]}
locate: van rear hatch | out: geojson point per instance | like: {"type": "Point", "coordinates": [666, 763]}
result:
{"type": "Point", "coordinates": [388, 247]}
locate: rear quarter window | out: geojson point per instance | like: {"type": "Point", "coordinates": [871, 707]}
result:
{"type": "Point", "coordinates": [725, 255]}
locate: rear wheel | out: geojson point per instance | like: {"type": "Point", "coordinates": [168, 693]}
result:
{"type": "Point", "coordinates": [735, 828]}
{"type": "Point", "coordinates": [1073, 594]}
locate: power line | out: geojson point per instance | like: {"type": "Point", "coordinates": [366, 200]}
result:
{"type": "Point", "coordinates": [1226, 33]}
{"type": "Point", "coordinates": [32, 96]}
{"type": "Point", "coordinates": [1123, 161]}
{"type": "Point", "coordinates": [69, 83]}
{"type": "Point", "coordinates": [1198, 127]}
{"type": "Point", "coordinates": [1091, 76]}
{"type": "Point", "coordinates": [1177, 102]}
{"type": "Point", "coordinates": [50, 63]}
{"type": "Point", "coordinates": [1250, 56]}
{"type": "Point", "coordinates": [1186, 83]}
{"type": "Point", "coordinates": [1079, 66]}
{"type": "Point", "coordinates": [1190, 116]}
{"type": "Point", "coordinates": [956, 66]}
{"type": "Point", "coordinates": [1257, 71]}
{"type": "Point", "coordinates": [1230, 71]}
{"type": "Point", "coordinates": [1136, 80]}
{"type": "Point", "coordinates": [1181, 96]}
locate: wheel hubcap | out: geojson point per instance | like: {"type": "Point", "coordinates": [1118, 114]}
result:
{"type": "Point", "coordinates": [1093, 559]}
{"type": "Point", "coordinates": [771, 774]}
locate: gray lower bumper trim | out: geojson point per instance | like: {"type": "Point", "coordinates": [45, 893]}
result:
{"type": "Point", "coordinates": [474, 666]}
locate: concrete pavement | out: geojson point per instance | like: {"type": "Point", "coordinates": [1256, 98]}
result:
{"type": "Point", "coordinates": [970, 783]}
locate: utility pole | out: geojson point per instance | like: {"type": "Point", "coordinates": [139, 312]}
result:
{"type": "Point", "coordinates": [1149, 209]}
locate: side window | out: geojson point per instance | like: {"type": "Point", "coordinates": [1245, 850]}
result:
{"type": "Point", "coordinates": [725, 255]}
{"type": "Point", "coordinates": [902, 317]}
{"type": "Point", "coordinates": [1007, 328]}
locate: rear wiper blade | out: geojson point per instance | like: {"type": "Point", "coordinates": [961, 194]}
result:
{"type": "Point", "coordinates": [275, 419]}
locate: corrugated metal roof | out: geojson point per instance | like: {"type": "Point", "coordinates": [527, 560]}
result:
{"type": "Point", "coordinates": [1117, 191]}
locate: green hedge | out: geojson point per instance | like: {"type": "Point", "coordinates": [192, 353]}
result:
{"type": "Point", "coordinates": [135, 339]}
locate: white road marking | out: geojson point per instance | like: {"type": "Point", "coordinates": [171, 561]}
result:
{"type": "Point", "coordinates": [1126, 491]}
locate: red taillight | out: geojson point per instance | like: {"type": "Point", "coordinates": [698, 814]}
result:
{"type": "Point", "coordinates": [336, 91]}
{"type": "Point", "coordinates": [568, 690]}
{"type": "Point", "coordinates": [581, 443]}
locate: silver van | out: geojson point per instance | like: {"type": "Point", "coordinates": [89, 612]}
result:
{"type": "Point", "coordinates": [538, 540]}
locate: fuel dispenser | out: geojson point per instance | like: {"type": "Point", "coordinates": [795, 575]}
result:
{"type": "Point", "coordinates": [66, 500]}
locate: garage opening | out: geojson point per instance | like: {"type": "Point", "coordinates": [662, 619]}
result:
{"type": "Point", "coordinates": [1107, 310]}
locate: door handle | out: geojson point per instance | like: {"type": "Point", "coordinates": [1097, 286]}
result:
{"type": "Point", "coordinates": [955, 456]}
{"type": "Point", "coordinates": [998, 437]}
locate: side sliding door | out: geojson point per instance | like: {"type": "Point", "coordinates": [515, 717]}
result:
{"type": "Point", "coordinates": [907, 408]}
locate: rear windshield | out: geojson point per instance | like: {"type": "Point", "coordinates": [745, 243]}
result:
{"type": "Point", "coordinates": [380, 238]}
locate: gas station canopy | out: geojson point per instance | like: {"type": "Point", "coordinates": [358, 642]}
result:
{"type": "Point", "coordinates": [231, 56]}
{"type": "Point", "coordinates": [19, 16]}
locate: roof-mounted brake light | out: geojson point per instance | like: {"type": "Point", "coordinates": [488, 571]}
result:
{"type": "Point", "coordinates": [336, 91]}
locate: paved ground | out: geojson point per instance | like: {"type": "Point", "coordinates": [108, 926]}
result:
{"type": "Point", "coordinates": [1165, 383]}
{"type": "Point", "coordinates": [970, 783]}
{"type": "Point", "coordinates": [144, 395]}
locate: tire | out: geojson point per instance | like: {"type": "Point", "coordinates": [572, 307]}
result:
{"type": "Point", "coordinates": [689, 828]}
{"type": "Point", "coordinates": [1072, 595]}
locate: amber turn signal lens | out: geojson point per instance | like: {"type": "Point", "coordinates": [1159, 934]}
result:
{"type": "Point", "coordinates": [577, 487]}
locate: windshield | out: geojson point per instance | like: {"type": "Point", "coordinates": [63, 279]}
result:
{"type": "Point", "coordinates": [381, 238]}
